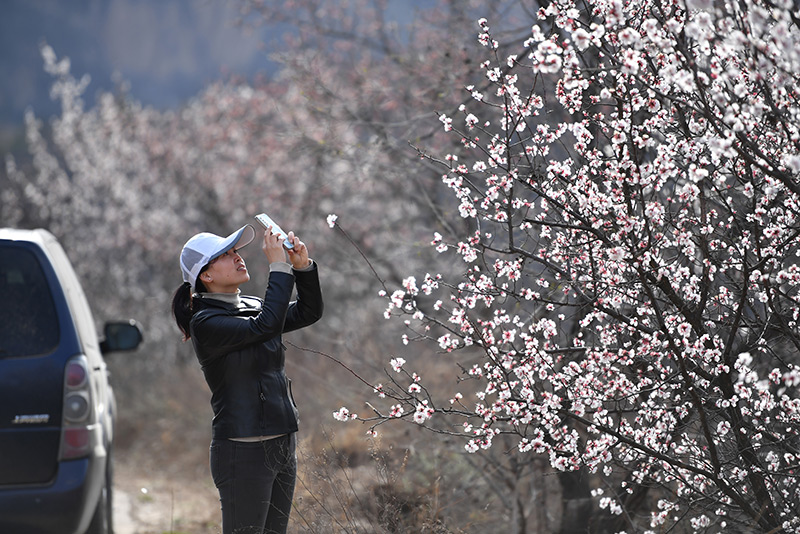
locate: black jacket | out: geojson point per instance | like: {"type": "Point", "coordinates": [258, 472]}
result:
{"type": "Point", "coordinates": [242, 356]}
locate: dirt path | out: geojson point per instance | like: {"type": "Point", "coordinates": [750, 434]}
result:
{"type": "Point", "coordinates": [123, 518]}
{"type": "Point", "coordinates": [155, 503]}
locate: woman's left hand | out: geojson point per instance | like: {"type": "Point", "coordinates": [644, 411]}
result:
{"type": "Point", "coordinates": [299, 254]}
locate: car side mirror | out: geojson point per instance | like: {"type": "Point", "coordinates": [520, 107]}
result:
{"type": "Point", "coordinates": [121, 336]}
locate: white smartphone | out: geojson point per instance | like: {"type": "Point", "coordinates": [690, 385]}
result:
{"type": "Point", "coordinates": [266, 222]}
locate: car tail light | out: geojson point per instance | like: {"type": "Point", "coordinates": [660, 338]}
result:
{"type": "Point", "coordinates": [75, 374]}
{"type": "Point", "coordinates": [76, 421]}
{"type": "Point", "coordinates": [76, 438]}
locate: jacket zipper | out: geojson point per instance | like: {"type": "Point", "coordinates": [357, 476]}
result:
{"type": "Point", "coordinates": [292, 403]}
{"type": "Point", "coordinates": [263, 400]}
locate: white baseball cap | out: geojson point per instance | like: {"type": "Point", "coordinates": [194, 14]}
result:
{"type": "Point", "coordinates": [205, 246]}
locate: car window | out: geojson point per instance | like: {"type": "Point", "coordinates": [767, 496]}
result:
{"type": "Point", "coordinates": [28, 319]}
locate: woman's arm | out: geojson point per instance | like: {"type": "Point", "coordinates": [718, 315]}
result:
{"type": "Point", "coordinates": [307, 309]}
{"type": "Point", "coordinates": [220, 332]}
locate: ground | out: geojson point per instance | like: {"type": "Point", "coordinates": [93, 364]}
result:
{"type": "Point", "coordinates": [147, 501]}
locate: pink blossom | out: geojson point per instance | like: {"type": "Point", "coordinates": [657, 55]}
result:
{"type": "Point", "coordinates": [343, 414]}
{"type": "Point", "coordinates": [447, 122]}
{"type": "Point", "coordinates": [582, 39]}
{"type": "Point", "coordinates": [423, 412]}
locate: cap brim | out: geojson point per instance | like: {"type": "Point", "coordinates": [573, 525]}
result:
{"type": "Point", "coordinates": [238, 239]}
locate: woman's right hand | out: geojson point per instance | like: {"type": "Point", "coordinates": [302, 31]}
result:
{"type": "Point", "coordinates": [273, 246]}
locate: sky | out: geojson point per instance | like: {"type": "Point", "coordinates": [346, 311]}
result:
{"type": "Point", "coordinates": [165, 50]}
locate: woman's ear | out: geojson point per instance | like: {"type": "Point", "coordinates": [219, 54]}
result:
{"type": "Point", "coordinates": [206, 277]}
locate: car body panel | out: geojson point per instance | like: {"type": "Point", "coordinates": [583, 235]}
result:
{"type": "Point", "coordinates": [63, 506]}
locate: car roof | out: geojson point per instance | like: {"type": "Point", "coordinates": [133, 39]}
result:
{"type": "Point", "coordinates": [39, 236]}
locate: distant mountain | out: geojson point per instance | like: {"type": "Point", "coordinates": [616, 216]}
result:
{"type": "Point", "coordinates": [166, 51]}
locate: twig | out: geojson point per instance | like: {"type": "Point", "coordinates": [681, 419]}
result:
{"type": "Point", "coordinates": [361, 252]}
{"type": "Point", "coordinates": [332, 358]}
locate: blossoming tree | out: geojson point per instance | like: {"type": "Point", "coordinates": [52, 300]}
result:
{"type": "Point", "coordinates": [628, 302]}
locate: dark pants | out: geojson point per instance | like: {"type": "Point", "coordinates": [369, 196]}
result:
{"type": "Point", "coordinates": [255, 483]}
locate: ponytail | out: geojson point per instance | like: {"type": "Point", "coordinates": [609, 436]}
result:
{"type": "Point", "coordinates": [182, 304]}
{"type": "Point", "coordinates": [182, 308]}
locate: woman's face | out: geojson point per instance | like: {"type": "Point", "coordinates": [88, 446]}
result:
{"type": "Point", "coordinates": [225, 273]}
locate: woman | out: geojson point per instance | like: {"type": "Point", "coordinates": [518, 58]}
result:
{"type": "Point", "coordinates": [237, 340]}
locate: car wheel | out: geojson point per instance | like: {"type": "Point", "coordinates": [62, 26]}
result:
{"type": "Point", "coordinates": [102, 518]}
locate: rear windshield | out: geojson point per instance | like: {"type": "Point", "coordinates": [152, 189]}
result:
{"type": "Point", "coordinates": [28, 320]}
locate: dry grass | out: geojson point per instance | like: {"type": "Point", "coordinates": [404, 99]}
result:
{"type": "Point", "coordinates": [407, 480]}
